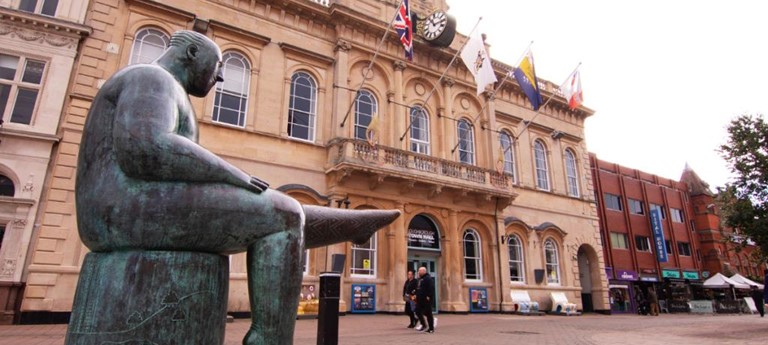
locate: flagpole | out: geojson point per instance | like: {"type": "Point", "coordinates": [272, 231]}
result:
{"type": "Point", "coordinates": [444, 72]}
{"type": "Point", "coordinates": [370, 64]}
{"type": "Point", "coordinates": [527, 123]}
{"type": "Point", "coordinates": [498, 87]}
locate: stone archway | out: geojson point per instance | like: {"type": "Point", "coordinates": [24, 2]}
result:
{"type": "Point", "coordinates": [589, 276]}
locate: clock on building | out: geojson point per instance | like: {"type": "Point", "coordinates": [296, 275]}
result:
{"type": "Point", "coordinates": [438, 28]}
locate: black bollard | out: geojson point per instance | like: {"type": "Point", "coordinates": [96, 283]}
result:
{"type": "Point", "coordinates": [328, 315]}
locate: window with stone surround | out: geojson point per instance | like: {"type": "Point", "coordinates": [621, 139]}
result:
{"type": "Point", "coordinates": [231, 103]}
{"type": "Point", "coordinates": [466, 142]}
{"type": "Point", "coordinates": [508, 152]}
{"type": "Point", "coordinates": [552, 262]}
{"type": "Point", "coordinates": [148, 44]}
{"type": "Point", "coordinates": [366, 107]}
{"type": "Point", "coordinates": [364, 258]}
{"type": "Point", "coordinates": [21, 79]}
{"type": "Point", "coordinates": [45, 7]}
{"type": "Point", "coordinates": [542, 168]}
{"type": "Point", "coordinates": [571, 173]}
{"type": "Point", "coordinates": [419, 130]}
{"type": "Point", "coordinates": [473, 258]}
{"type": "Point", "coordinates": [302, 107]}
{"type": "Point", "coordinates": [516, 263]}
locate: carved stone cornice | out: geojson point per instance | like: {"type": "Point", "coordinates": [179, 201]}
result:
{"type": "Point", "coordinates": [40, 37]}
{"type": "Point", "coordinates": [399, 65]}
{"type": "Point", "coordinates": [48, 28]}
{"type": "Point", "coordinates": [449, 82]}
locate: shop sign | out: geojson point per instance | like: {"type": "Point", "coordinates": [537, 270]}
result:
{"type": "Point", "coordinates": [691, 275]}
{"type": "Point", "coordinates": [670, 274]}
{"type": "Point", "coordinates": [701, 307]}
{"type": "Point", "coordinates": [705, 274]}
{"type": "Point", "coordinates": [658, 235]}
{"type": "Point", "coordinates": [649, 279]}
{"type": "Point", "coordinates": [626, 275]}
{"type": "Point", "coordinates": [422, 234]}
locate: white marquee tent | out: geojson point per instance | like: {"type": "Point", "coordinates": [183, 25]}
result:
{"type": "Point", "coordinates": [720, 281]}
{"type": "Point", "coordinates": [744, 280]}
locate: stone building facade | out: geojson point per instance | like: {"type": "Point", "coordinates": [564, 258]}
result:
{"type": "Point", "coordinates": [40, 41]}
{"type": "Point", "coordinates": [477, 216]}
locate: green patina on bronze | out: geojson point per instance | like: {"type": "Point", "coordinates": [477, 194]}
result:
{"type": "Point", "coordinates": [145, 186]}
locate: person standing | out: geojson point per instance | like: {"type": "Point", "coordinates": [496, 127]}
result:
{"type": "Point", "coordinates": [409, 291]}
{"type": "Point", "coordinates": [425, 294]}
{"type": "Point", "coordinates": [757, 295]}
{"type": "Point", "coordinates": [653, 301]}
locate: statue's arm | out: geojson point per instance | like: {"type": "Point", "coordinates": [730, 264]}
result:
{"type": "Point", "coordinates": [148, 147]}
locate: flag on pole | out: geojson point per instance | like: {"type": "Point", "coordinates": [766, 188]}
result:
{"type": "Point", "coordinates": [404, 28]}
{"type": "Point", "coordinates": [478, 62]}
{"type": "Point", "coordinates": [572, 90]}
{"type": "Point", "coordinates": [525, 74]}
{"type": "Point", "coordinates": [500, 160]}
{"type": "Point", "coordinates": [372, 132]}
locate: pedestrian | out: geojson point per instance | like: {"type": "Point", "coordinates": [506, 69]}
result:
{"type": "Point", "coordinates": [653, 301]}
{"type": "Point", "coordinates": [757, 295]}
{"type": "Point", "coordinates": [425, 294]}
{"type": "Point", "coordinates": [409, 292]}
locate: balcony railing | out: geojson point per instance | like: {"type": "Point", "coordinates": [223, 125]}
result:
{"type": "Point", "coordinates": [458, 175]}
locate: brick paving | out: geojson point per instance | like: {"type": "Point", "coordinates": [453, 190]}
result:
{"type": "Point", "coordinates": [479, 329]}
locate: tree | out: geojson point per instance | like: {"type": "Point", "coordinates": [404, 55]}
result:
{"type": "Point", "coordinates": [744, 202]}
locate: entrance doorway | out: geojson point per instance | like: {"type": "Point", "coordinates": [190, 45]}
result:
{"type": "Point", "coordinates": [589, 275]}
{"type": "Point", "coordinates": [431, 264]}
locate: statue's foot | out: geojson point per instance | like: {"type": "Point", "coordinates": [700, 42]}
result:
{"type": "Point", "coordinates": [325, 225]}
{"type": "Point", "coordinates": [253, 338]}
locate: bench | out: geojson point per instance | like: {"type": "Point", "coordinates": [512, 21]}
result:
{"type": "Point", "coordinates": [522, 302]}
{"type": "Point", "coordinates": [561, 306]}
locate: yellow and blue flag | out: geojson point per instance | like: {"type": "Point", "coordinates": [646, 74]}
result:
{"type": "Point", "coordinates": [525, 74]}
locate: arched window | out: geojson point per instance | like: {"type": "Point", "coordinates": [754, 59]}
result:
{"type": "Point", "coordinates": [473, 259]}
{"type": "Point", "coordinates": [302, 107]}
{"type": "Point", "coordinates": [419, 130]}
{"type": "Point", "coordinates": [466, 142]}
{"type": "Point", "coordinates": [148, 45]}
{"type": "Point", "coordinates": [516, 265]}
{"type": "Point", "coordinates": [366, 107]}
{"type": "Point", "coordinates": [542, 170]}
{"type": "Point", "coordinates": [553, 262]}
{"type": "Point", "coordinates": [364, 258]}
{"type": "Point", "coordinates": [571, 173]}
{"type": "Point", "coordinates": [305, 262]}
{"type": "Point", "coordinates": [508, 152]}
{"type": "Point", "coordinates": [231, 102]}
{"type": "Point", "coordinates": [6, 186]}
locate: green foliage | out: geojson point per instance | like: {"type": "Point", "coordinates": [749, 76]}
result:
{"type": "Point", "coordinates": [744, 203]}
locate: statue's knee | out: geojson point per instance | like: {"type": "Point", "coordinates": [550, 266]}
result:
{"type": "Point", "coordinates": [291, 212]}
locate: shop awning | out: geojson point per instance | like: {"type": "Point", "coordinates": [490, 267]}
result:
{"type": "Point", "coordinates": [720, 281]}
{"type": "Point", "coordinates": [744, 280]}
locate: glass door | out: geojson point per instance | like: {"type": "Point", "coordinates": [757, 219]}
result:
{"type": "Point", "coordinates": [431, 265]}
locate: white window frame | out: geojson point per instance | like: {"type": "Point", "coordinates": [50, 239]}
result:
{"type": "Point", "coordinates": [520, 262]}
{"type": "Point", "coordinates": [660, 208]}
{"type": "Point", "coordinates": [229, 69]}
{"type": "Point", "coordinates": [419, 135]}
{"type": "Point", "coordinates": [676, 214]}
{"type": "Point", "coordinates": [39, 4]}
{"type": "Point", "coordinates": [477, 260]}
{"type": "Point", "coordinates": [632, 203]}
{"type": "Point", "coordinates": [139, 42]}
{"type": "Point", "coordinates": [17, 83]}
{"type": "Point", "coordinates": [363, 120]}
{"type": "Point", "coordinates": [552, 266]}
{"type": "Point", "coordinates": [508, 149]}
{"type": "Point", "coordinates": [466, 146]}
{"type": "Point", "coordinates": [356, 249]}
{"type": "Point", "coordinates": [572, 173]}
{"type": "Point", "coordinates": [311, 113]}
{"type": "Point", "coordinates": [607, 196]}
{"type": "Point", "coordinates": [619, 240]}
{"type": "Point", "coordinates": [541, 165]}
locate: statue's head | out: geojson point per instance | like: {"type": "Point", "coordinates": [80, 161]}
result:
{"type": "Point", "coordinates": [201, 59]}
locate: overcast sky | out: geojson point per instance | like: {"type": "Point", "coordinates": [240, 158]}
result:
{"type": "Point", "coordinates": [664, 77]}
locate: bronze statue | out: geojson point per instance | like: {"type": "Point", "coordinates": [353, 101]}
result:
{"type": "Point", "coordinates": [144, 183]}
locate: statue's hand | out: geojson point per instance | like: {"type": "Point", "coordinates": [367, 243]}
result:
{"type": "Point", "coordinates": [258, 185]}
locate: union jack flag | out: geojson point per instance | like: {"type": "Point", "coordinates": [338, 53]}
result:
{"type": "Point", "coordinates": [404, 28]}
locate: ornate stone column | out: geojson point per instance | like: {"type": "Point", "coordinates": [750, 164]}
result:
{"type": "Point", "coordinates": [446, 126]}
{"type": "Point", "coordinates": [341, 96]}
{"type": "Point", "coordinates": [400, 115]}
{"type": "Point", "coordinates": [398, 253]}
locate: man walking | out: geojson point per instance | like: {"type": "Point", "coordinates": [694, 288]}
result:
{"type": "Point", "coordinates": [653, 301]}
{"type": "Point", "coordinates": [409, 291]}
{"type": "Point", "coordinates": [757, 295]}
{"type": "Point", "coordinates": [425, 294]}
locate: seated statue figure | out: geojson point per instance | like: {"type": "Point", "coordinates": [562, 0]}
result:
{"type": "Point", "coordinates": [144, 183]}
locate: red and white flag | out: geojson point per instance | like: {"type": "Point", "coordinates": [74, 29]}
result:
{"type": "Point", "coordinates": [572, 90]}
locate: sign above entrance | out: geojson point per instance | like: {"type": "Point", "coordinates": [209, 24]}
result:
{"type": "Point", "coordinates": [690, 275]}
{"type": "Point", "coordinates": [423, 234]}
{"type": "Point", "coordinates": [670, 273]}
{"type": "Point", "coordinates": [626, 275]}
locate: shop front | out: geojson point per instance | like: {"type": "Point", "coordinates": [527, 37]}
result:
{"type": "Point", "coordinates": [676, 291]}
{"type": "Point", "coordinates": [621, 292]}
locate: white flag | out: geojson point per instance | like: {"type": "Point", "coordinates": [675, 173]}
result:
{"type": "Point", "coordinates": [478, 62]}
{"type": "Point", "coordinates": [572, 90]}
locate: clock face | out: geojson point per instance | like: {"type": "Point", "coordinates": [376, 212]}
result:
{"type": "Point", "coordinates": [434, 25]}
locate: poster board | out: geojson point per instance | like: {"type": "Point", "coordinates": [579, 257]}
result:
{"type": "Point", "coordinates": [363, 298]}
{"type": "Point", "coordinates": [478, 300]}
{"type": "Point", "coordinates": [308, 301]}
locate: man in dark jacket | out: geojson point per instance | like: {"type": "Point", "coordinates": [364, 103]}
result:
{"type": "Point", "coordinates": [409, 291]}
{"type": "Point", "coordinates": [757, 295]}
{"type": "Point", "coordinates": [425, 294]}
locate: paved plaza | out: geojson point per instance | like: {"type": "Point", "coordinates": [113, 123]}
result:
{"type": "Point", "coordinates": [478, 329]}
